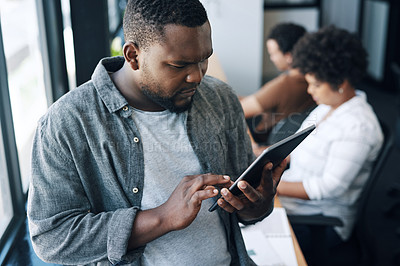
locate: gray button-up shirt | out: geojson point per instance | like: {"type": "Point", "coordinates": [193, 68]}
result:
{"type": "Point", "coordinates": [87, 168]}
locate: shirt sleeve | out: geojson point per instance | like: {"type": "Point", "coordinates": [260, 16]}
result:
{"type": "Point", "coordinates": [62, 227]}
{"type": "Point", "coordinates": [345, 159]}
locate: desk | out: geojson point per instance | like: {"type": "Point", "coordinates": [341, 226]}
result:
{"type": "Point", "coordinates": [301, 261]}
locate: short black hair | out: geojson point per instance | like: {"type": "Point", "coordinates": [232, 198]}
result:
{"type": "Point", "coordinates": [286, 35]}
{"type": "Point", "coordinates": [332, 55]}
{"type": "Point", "coordinates": [144, 20]}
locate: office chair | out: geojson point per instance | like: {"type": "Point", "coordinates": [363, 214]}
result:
{"type": "Point", "coordinates": [284, 128]}
{"type": "Point", "coordinates": [359, 249]}
{"type": "Point", "coordinates": [287, 126]}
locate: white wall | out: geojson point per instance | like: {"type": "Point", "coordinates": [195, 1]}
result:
{"type": "Point", "coordinates": [306, 17]}
{"type": "Point", "coordinates": [237, 33]}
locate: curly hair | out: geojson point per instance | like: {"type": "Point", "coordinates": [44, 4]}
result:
{"type": "Point", "coordinates": [333, 55]}
{"type": "Point", "coordinates": [144, 20]}
{"type": "Point", "coordinates": [286, 35]}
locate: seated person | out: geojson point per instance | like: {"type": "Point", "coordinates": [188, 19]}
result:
{"type": "Point", "coordinates": [283, 96]}
{"type": "Point", "coordinates": [328, 169]}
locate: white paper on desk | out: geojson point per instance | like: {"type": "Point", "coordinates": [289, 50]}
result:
{"type": "Point", "coordinates": [273, 233]}
{"type": "Point", "coordinates": [275, 225]}
{"type": "Point", "coordinates": [260, 250]}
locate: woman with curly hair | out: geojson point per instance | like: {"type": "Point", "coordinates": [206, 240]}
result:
{"type": "Point", "coordinates": [328, 170]}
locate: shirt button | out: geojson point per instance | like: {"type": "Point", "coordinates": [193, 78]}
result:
{"type": "Point", "coordinates": [136, 139]}
{"type": "Point", "coordinates": [125, 108]}
{"type": "Point", "coordinates": [135, 190]}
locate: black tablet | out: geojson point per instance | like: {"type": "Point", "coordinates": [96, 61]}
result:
{"type": "Point", "coordinates": [275, 153]}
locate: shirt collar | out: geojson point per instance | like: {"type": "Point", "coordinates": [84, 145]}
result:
{"type": "Point", "coordinates": [110, 95]}
{"type": "Point", "coordinates": [348, 105]}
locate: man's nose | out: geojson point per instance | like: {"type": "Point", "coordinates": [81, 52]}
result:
{"type": "Point", "coordinates": [197, 72]}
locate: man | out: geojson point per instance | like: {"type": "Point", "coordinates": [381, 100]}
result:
{"type": "Point", "coordinates": [120, 168]}
{"type": "Point", "coordinates": [283, 103]}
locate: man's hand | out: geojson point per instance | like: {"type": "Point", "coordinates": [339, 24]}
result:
{"type": "Point", "coordinates": [183, 205]}
{"type": "Point", "coordinates": [255, 202]}
{"type": "Point", "coordinates": [178, 211]}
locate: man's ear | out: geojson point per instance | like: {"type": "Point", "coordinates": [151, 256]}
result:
{"type": "Point", "coordinates": [131, 51]}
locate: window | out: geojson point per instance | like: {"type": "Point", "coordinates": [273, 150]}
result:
{"type": "Point", "coordinates": [6, 210]}
{"type": "Point", "coordinates": [68, 44]}
{"type": "Point", "coordinates": [115, 14]}
{"type": "Point", "coordinates": [30, 80]}
{"type": "Point", "coordinates": [25, 69]}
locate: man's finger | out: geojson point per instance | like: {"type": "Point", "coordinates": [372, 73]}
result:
{"type": "Point", "coordinates": [226, 206]}
{"type": "Point", "coordinates": [250, 192]}
{"type": "Point", "coordinates": [201, 181]}
{"type": "Point", "coordinates": [201, 195]}
{"type": "Point", "coordinates": [277, 172]}
{"type": "Point", "coordinates": [234, 201]}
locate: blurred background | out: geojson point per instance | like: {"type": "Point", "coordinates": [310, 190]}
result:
{"type": "Point", "coordinates": [48, 47]}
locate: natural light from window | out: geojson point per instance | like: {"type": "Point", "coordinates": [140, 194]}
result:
{"type": "Point", "coordinates": [19, 22]}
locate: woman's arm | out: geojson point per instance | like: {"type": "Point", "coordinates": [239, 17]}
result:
{"type": "Point", "coordinates": [292, 189]}
{"type": "Point", "coordinates": [251, 106]}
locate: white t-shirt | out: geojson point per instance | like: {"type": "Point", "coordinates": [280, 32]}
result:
{"type": "Point", "coordinates": [335, 161]}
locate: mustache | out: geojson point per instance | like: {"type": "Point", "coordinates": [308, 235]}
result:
{"type": "Point", "coordinates": [187, 89]}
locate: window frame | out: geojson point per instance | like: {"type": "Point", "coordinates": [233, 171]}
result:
{"type": "Point", "coordinates": [52, 44]}
{"type": "Point", "coordinates": [18, 197]}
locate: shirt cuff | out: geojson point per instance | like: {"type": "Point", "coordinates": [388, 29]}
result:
{"type": "Point", "coordinates": [312, 189]}
{"type": "Point", "coordinates": [119, 232]}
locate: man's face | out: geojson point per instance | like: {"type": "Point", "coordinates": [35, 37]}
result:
{"type": "Point", "coordinates": [172, 70]}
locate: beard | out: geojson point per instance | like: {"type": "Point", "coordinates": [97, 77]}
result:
{"type": "Point", "coordinates": [163, 101]}
{"type": "Point", "coordinates": [153, 90]}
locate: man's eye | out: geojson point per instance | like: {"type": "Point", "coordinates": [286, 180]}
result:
{"type": "Point", "coordinates": [177, 66]}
